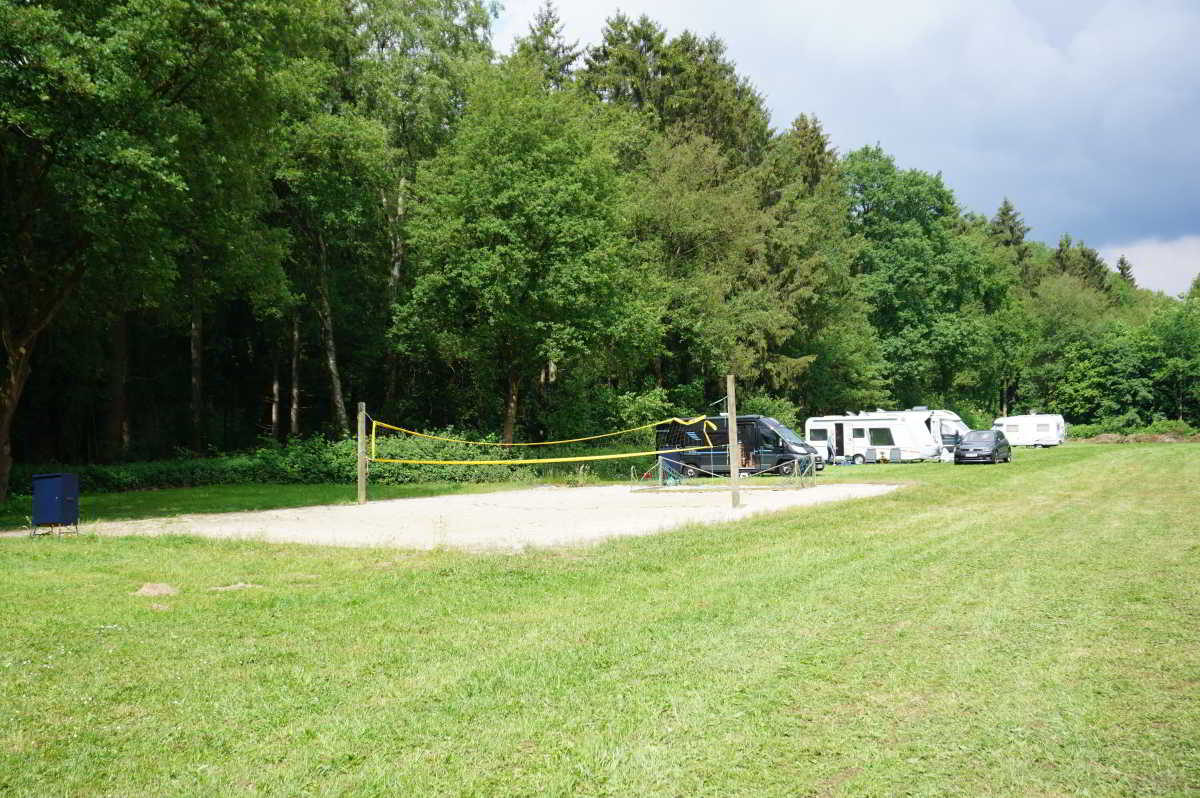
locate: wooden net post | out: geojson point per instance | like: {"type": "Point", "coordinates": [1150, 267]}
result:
{"type": "Point", "coordinates": [362, 452]}
{"type": "Point", "coordinates": [735, 460]}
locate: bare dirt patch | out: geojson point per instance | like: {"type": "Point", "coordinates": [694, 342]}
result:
{"type": "Point", "coordinates": [155, 589]}
{"type": "Point", "coordinates": [1110, 437]}
{"type": "Point", "coordinates": [511, 521]}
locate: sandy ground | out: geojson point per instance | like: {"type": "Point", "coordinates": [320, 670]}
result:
{"type": "Point", "coordinates": [512, 520]}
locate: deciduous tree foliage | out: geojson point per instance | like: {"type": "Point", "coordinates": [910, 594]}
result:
{"type": "Point", "coordinates": [521, 255]}
{"type": "Point", "coordinates": [830, 359]}
{"type": "Point", "coordinates": [700, 228]}
{"type": "Point", "coordinates": [108, 109]}
{"type": "Point", "coordinates": [931, 281]}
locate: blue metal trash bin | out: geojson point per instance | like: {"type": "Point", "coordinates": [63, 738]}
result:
{"type": "Point", "coordinates": [55, 500]}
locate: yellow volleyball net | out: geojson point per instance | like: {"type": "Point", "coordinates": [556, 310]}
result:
{"type": "Point", "coordinates": [671, 435]}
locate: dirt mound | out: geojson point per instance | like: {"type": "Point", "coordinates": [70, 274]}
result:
{"type": "Point", "coordinates": [235, 586]}
{"type": "Point", "coordinates": [155, 589]}
{"type": "Point", "coordinates": [1110, 437]}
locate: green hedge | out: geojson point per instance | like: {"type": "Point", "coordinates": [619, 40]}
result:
{"type": "Point", "coordinates": [1114, 427]}
{"type": "Point", "coordinates": [319, 461]}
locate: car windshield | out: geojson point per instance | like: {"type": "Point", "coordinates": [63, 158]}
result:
{"type": "Point", "coordinates": [979, 436]}
{"type": "Point", "coordinates": [783, 431]}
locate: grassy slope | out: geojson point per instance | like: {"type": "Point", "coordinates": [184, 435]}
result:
{"type": "Point", "coordinates": [1024, 629]}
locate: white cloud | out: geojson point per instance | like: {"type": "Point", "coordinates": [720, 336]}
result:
{"type": "Point", "coordinates": [1083, 113]}
{"type": "Point", "coordinates": [1163, 265]}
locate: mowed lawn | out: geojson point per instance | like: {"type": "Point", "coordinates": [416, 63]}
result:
{"type": "Point", "coordinates": [1024, 629]}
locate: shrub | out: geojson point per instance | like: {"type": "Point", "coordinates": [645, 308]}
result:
{"type": "Point", "coordinates": [785, 412]}
{"type": "Point", "coordinates": [311, 460]}
{"type": "Point", "coordinates": [1169, 427]}
{"type": "Point", "coordinates": [1086, 430]}
{"type": "Point", "coordinates": [1116, 427]}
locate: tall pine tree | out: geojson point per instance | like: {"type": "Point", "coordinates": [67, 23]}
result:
{"type": "Point", "coordinates": [546, 46]}
{"type": "Point", "coordinates": [687, 82]}
{"type": "Point", "coordinates": [1008, 229]}
{"type": "Point", "coordinates": [1125, 269]}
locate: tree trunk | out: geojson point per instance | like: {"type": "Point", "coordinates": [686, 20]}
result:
{"type": "Point", "coordinates": [20, 358]}
{"type": "Point", "coordinates": [395, 211]}
{"type": "Point", "coordinates": [275, 395]}
{"type": "Point", "coordinates": [510, 407]}
{"type": "Point", "coordinates": [116, 412]}
{"type": "Point", "coordinates": [325, 314]}
{"type": "Point", "coordinates": [197, 355]}
{"type": "Point", "coordinates": [294, 408]}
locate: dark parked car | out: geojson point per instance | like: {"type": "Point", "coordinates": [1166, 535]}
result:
{"type": "Point", "coordinates": [983, 446]}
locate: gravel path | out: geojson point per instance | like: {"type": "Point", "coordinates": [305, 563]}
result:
{"type": "Point", "coordinates": [511, 520]}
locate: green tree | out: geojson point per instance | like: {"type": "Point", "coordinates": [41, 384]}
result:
{"type": "Point", "coordinates": [1105, 378]}
{"type": "Point", "coordinates": [830, 360]}
{"type": "Point", "coordinates": [97, 105]}
{"type": "Point", "coordinates": [700, 229]}
{"type": "Point", "coordinates": [1062, 313]}
{"type": "Point", "coordinates": [931, 279]}
{"type": "Point", "coordinates": [384, 97]}
{"type": "Point", "coordinates": [545, 45]}
{"type": "Point", "coordinates": [522, 258]}
{"type": "Point", "coordinates": [1008, 230]}
{"type": "Point", "coordinates": [1173, 343]}
{"type": "Point", "coordinates": [1125, 269]}
{"type": "Point", "coordinates": [686, 81]}
{"type": "Point", "coordinates": [329, 184]}
{"type": "Point", "coordinates": [1080, 260]}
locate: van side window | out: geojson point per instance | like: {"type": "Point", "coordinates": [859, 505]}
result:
{"type": "Point", "coordinates": [818, 434]}
{"type": "Point", "coordinates": [881, 436]}
{"type": "Point", "coordinates": [860, 432]}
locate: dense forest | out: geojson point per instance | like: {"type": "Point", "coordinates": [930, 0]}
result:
{"type": "Point", "coordinates": [226, 221]}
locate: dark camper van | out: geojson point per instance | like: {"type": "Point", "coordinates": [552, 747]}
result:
{"type": "Point", "coordinates": [764, 443]}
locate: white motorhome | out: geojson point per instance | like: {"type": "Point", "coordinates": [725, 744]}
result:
{"type": "Point", "coordinates": [1037, 429]}
{"type": "Point", "coordinates": [892, 436]}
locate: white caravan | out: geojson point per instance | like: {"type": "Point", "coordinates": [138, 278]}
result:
{"type": "Point", "coordinates": [887, 436]}
{"type": "Point", "coordinates": [1039, 429]}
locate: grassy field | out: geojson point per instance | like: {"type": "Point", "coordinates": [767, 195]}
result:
{"type": "Point", "coordinates": [1030, 629]}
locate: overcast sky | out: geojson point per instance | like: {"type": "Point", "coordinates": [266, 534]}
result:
{"type": "Point", "coordinates": [1085, 114]}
